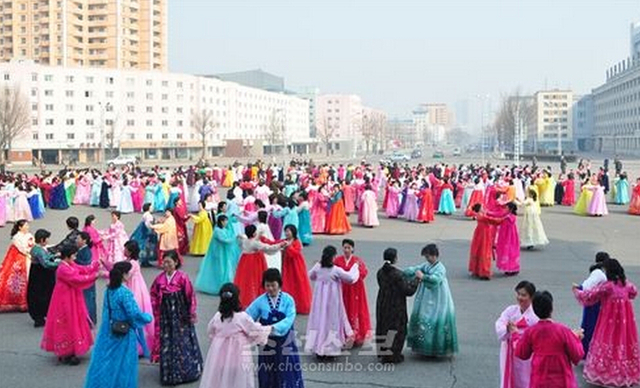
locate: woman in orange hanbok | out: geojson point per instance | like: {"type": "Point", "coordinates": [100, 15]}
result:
{"type": "Point", "coordinates": [14, 270]}
{"type": "Point", "coordinates": [337, 221]}
{"type": "Point", "coordinates": [634, 205]}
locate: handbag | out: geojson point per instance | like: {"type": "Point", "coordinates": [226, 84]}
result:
{"type": "Point", "coordinates": [119, 328]}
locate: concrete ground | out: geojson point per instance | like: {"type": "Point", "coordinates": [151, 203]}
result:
{"type": "Point", "coordinates": [574, 241]}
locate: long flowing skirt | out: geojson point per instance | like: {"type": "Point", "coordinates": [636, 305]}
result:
{"type": "Point", "coordinates": [295, 282]}
{"type": "Point", "coordinates": [622, 192]}
{"type": "Point", "coordinates": [447, 204]}
{"type": "Point", "coordinates": [39, 289]}
{"type": "Point", "coordinates": [217, 268]}
{"type": "Point", "coordinates": [304, 230]}
{"type": "Point", "coordinates": [58, 198]}
{"type": "Point", "coordinates": [147, 241]}
{"type": "Point", "coordinates": [34, 204]}
{"type": "Point", "coordinates": [70, 192]}
{"type": "Point", "coordinates": [249, 276]}
{"type": "Point", "coordinates": [588, 324]}
{"type": "Point", "coordinates": [337, 221]}
{"type": "Point", "coordinates": [634, 205]}
{"type": "Point", "coordinates": [22, 209]}
{"type": "Point", "coordinates": [275, 225]}
{"type": "Point", "coordinates": [180, 356]}
{"type": "Point", "coordinates": [584, 200]}
{"type": "Point", "coordinates": [598, 204]}
{"type": "Point", "coordinates": [13, 281]}
{"type": "Point", "coordinates": [280, 351]}
{"type": "Point", "coordinates": [532, 232]}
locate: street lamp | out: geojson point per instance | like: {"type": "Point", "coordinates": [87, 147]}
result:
{"type": "Point", "coordinates": [482, 99]}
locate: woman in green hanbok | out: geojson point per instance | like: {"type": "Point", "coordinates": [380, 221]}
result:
{"type": "Point", "coordinates": [432, 326]}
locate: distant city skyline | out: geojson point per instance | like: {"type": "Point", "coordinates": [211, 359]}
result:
{"type": "Point", "coordinates": [396, 55]}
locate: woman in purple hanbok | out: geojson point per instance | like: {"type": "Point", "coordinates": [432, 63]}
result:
{"type": "Point", "coordinates": [328, 328]}
{"type": "Point", "coordinates": [411, 207]}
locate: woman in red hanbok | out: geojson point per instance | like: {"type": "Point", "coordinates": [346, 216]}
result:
{"type": "Point", "coordinates": [481, 252]}
{"type": "Point", "coordinates": [569, 196]}
{"type": "Point", "coordinates": [67, 333]}
{"type": "Point", "coordinates": [181, 216]}
{"type": "Point", "coordinates": [252, 264]}
{"type": "Point", "coordinates": [634, 205]}
{"type": "Point", "coordinates": [14, 271]}
{"type": "Point", "coordinates": [477, 197]}
{"type": "Point", "coordinates": [337, 221]}
{"type": "Point", "coordinates": [614, 356]}
{"type": "Point", "coordinates": [426, 212]}
{"type": "Point", "coordinates": [295, 281]}
{"type": "Point", "coordinates": [355, 295]}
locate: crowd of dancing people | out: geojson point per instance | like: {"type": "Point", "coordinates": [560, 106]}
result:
{"type": "Point", "coordinates": [252, 241]}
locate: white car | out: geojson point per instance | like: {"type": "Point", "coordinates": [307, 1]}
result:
{"type": "Point", "coordinates": [456, 151]}
{"type": "Point", "coordinates": [122, 161]}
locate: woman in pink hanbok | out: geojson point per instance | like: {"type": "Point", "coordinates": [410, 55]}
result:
{"type": "Point", "coordinates": [349, 192]}
{"type": "Point", "coordinates": [114, 191]}
{"type": "Point", "coordinates": [83, 190]}
{"type": "Point", "coordinates": [137, 195]}
{"type": "Point", "coordinates": [3, 208]}
{"type": "Point", "coordinates": [115, 236]}
{"type": "Point", "coordinates": [514, 320]}
{"type": "Point", "coordinates": [393, 201]}
{"type": "Point", "coordinates": [598, 205]}
{"type": "Point", "coordinates": [138, 287]}
{"type": "Point", "coordinates": [232, 331]}
{"type": "Point", "coordinates": [508, 243]}
{"type": "Point", "coordinates": [368, 212]}
{"type": "Point", "coordinates": [614, 356]}
{"type": "Point", "coordinates": [328, 328]}
{"type": "Point", "coordinates": [98, 251]}
{"type": "Point", "coordinates": [21, 208]}
{"type": "Point", "coordinates": [319, 212]}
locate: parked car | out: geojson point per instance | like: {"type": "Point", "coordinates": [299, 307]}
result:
{"type": "Point", "coordinates": [438, 154]}
{"type": "Point", "coordinates": [399, 157]}
{"type": "Point", "coordinates": [456, 151]}
{"type": "Point", "coordinates": [416, 154]}
{"type": "Point", "coordinates": [123, 161]}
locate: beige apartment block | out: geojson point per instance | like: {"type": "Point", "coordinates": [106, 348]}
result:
{"type": "Point", "coordinates": [121, 34]}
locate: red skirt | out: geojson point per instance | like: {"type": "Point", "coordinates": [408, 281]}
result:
{"type": "Point", "coordinates": [295, 280]}
{"type": "Point", "coordinates": [13, 281]}
{"type": "Point", "coordinates": [249, 276]}
{"type": "Point", "coordinates": [337, 222]}
{"type": "Point", "coordinates": [425, 214]}
{"type": "Point", "coordinates": [476, 197]}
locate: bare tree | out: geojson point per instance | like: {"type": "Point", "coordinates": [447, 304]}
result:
{"type": "Point", "coordinates": [274, 131]}
{"type": "Point", "coordinates": [326, 132]}
{"type": "Point", "coordinates": [14, 119]}
{"type": "Point", "coordinates": [204, 124]}
{"type": "Point", "coordinates": [368, 131]}
{"type": "Point", "coordinates": [113, 137]}
{"type": "Point", "coordinates": [515, 108]}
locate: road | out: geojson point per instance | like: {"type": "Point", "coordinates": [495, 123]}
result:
{"type": "Point", "coordinates": [574, 241]}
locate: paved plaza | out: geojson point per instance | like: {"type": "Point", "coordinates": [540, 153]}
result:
{"type": "Point", "coordinates": [574, 241]}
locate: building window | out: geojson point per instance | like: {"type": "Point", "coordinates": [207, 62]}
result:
{"type": "Point", "coordinates": [130, 95]}
{"type": "Point", "coordinates": [179, 123]}
{"type": "Point", "coordinates": [88, 93]}
{"type": "Point", "coordinates": [89, 121]}
{"type": "Point", "coordinates": [89, 80]}
{"type": "Point", "coordinates": [149, 109]}
{"type": "Point", "coordinates": [48, 122]}
{"type": "Point", "coordinates": [109, 80]}
{"type": "Point", "coordinates": [165, 97]}
{"type": "Point", "coordinates": [35, 136]}
{"type": "Point", "coordinates": [34, 122]}
{"type": "Point", "coordinates": [69, 107]}
{"type": "Point", "coordinates": [109, 94]}
{"type": "Point", "coordinates": [34, 107]}
{"type": "Point", "coordinates": [48, 107]}
{"type": "Point", "coordinates": [34, 77]}
{"type": "Point", "coordinates": [131, 109]}
{"type": "Point", "coordinates": [90, 136]}
{"type": "Point", "coordinates": [179, 110]}
{"type": "Point", "coordinates": [49, 136]}
{"type": "Point", "coordinates": [149, 136]}
{"type": "Point", "coordinates": [149, 96]}
{"type": "Point", "coordinates": [109, 108]}
{"type": "Point", "coordinates": [89, 108]}
{"type": "Point", "coordinates": [165, 135]}
{"type": "Point", "coordinates": [165, 109]}
{"type": "Point", "coordinates": [179, 136]}
{"type": "Point", "coordinates": [69, 79]}
{"type": "Point", "coordinates": [131, 123]}
{"type": "Point", "coordinates": [48, 93]}
{"type": "Point", "coordinates": [71, 136]}
{"type": "Point", "coordinates": [69, 121]}
{"type": "Point", "coordinates": [109, 122]}
{"type": "Point", "coordinates": [165, 83]}
{"type": "Point", "coordinates": [68, 93]}
{"type": "Point", "coordinates": [131, 81]}
{"type": "Point", "coordinates": [149, 123]}
{"type": "Point", "coordinates": [165, 123]}
{"type": "Point", "coordinates": [48, 77]}
{"type": "Point", "coordinates": [149, 82]}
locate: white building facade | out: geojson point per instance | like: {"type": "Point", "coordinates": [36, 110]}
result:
{"type": "Point", "coordinates": [554, 120]}
{"type": "Point", "coordinates": [78, 112]}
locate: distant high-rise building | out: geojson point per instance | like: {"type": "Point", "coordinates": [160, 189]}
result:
{"type": "Point", "coordinates": [554, 120]}
{"type": "Point", "coordinates": [583, 122]}
{"type": "Point", "coordinates": [635, 40]}
{"type": "Point", "coordinates": [310, 94]}
{"type": "Point", "coordinates": [123, 34]}
{"type": "Point", "coordinates": [432, 122]}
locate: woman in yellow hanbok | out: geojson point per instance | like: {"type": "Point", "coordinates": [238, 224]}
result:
{"type": "Point", "coordinates": [586, 194]}
{"type": "Point", "coordinates": [228, 178]}
{"type": "Point", "coordinates": [547, 189]}
{"type": "Point", "coordinates": [202, 231]}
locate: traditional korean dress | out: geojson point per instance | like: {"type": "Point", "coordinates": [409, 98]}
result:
{"type": "Point", "coordinates": [426, 213]}
{"type": "Point", "coordinates": [229, 363]}
{"type": "Point", "coordinates": [622, 192]}
{"type": "Point", "coordinates": [328, 328]}
{"type": "Point", "coordinates": [582, 206]}
{"type": "Point", "coordinates": [96, 187]}
{"type": "Point", "coordinates": [634, 204]}
{"type": "Point", "coordinates": [281, 349]}
{"type": "Point", "coordinates": [83, 258]}
{"type": "Point", "coordinates": [114, 360]}
{"type": "Point", "coordinates": [554, 348]}
{"type": "Point", "coordinates": [481, 252]}
{"type": "Point", "coordinates": [147, 239]}
{"type": "Point", "coordinates": [432, 331]}
{"type": "Point", "coordinates": [168, 238]}
{"type": "Point", "coordinates": [354, 296]}
{"type": "Point", "coordinates": [411, 207]}
{"type": "Point", "coordinates": [42, 280]}
{"type": "Point", "coordinates": [368, 212]}
{"type": "Point", "coordinates": [590, 313]}
{"type": "Point", "coordinates": [514, 372]}
{"type": "Point", "coordinates": [393, 202]}
{"type": "Point", "coordinates": [391, 311]}
{"type": "Point", "coordinates": [159, 200]}
{"type": "Point", "coordinates": [531, 231]}
{"type": "Point", "coordinates": [116, 237]}
{"type": "Point", "coordinates": [337, 221]}
{"type": "Point", "coordinates": [569, 196]}
{"type": "Point", "coordinates": [219, 264]}
{"type": "Point", "coordinates": [319, 213]}
{"type": "Point", "coordinates": [181, 217]}
{"type": "Point", "coordinates": [304, 222]}
{"type": "Point", "coordinates": [176, 344]}
{"type": "Point", "coordinates": [67, 331]}
{"type": "Point", "coordinates": [83, 191]}
{"type": "Point", "coordinates": [294, 277]}
{"type": "Point", "coordinates": [614, 354]}
{"type": "Point", "coordinates": [14, 273]}
{"type": "Point", "coordinates": [98, 251]}
{"type": "Point", "coordinates": [21, 207]}
{"type": "Point", "coordinates": [274, 259]}
{"type": "Point", "coordinates": [138, 287]}
{"type": "Point", "coordinates": [508, 246]}
{"type": "Point", "coordinates": [125, 205]}
{"type": "Point", "coordinates": [251, 266]}
{"type": "Point", "coordinates": [447, 204]}
{"type": "Point", "coordinates": [202, 232]}
{"type": "Point", "coordinates": [35, 204]}
{"type": "Point", "coordinates": [598, 204]}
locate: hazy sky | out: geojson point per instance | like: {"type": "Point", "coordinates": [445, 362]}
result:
{"type": "Point", "coordinates": [396, 54]}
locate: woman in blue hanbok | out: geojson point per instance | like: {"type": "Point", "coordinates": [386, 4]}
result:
{"type": "Point", "coordinates": [278, 309]}
{"type": "Point", "coordinates": [159, 200]}
{"type": "Point", "coordinates": [219, 264]}
{"type": "Point", "coordinates": [232, 212]}
{"type": "Point", "coordinates": [146, 238]}
{"type": "Point", "coordinates": [114, 361]}
{"type": "Point", "coordinates": [35, 203]}
{"type": "Point", "coordinates": [432, 326]}
{"type": "Point", "coordinates": [58, 198]}
{"type": "Point", "coordinates": [125, 204]}
{"type": "Point", "coordinates": [622, 190]}
{"type": "Point", "coordinates": [96, 188]}
{"type": "Point", "coordinates": [447, 205]}
{"type": "Point", "coordinates": [288, 214]}
{"type": "Point", "coordinates": [84, 257]}
{"type": "Point", "coordinates": [304, 220]}
{"type": "Point", "coordinates": [149, 193]}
